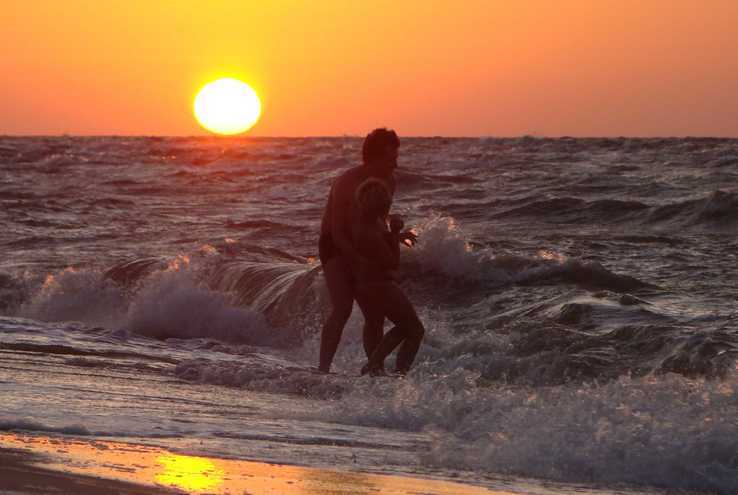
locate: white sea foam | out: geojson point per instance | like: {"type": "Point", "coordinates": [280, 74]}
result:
{"type": "Point", "coordinates": [169, 303]}
{"type": "Point", "coordinates": [444, 248]}
{"type": "Point", "coordinates": [665, 431]}
{"type": "Point", "coordinates": [661, 430]}
{"type": "Point", "coordinates": [77, 295]}
{"type": "Point", "coordinates": [29, 425]}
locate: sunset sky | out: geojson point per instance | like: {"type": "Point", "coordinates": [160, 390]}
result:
{"type": "Point", "coordinates": [454, 68]}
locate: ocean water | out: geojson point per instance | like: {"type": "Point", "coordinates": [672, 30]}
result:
{"type": "Point", "coordinates": [579, 297]}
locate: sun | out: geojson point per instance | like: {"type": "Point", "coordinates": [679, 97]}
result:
{"type": "Point", "coordinates": [227, 106]}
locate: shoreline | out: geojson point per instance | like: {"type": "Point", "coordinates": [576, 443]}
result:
{"type": "Point", "coordinates": [21, 472]}
{"type": "Point", "coordinates": [35, 464]}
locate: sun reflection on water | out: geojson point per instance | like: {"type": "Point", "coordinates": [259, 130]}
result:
{"type": "Point", "coordinates": [154, 468]}
{"type": "Point", "coordinates": [192, 474]}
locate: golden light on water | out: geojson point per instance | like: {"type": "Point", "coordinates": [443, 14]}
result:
{"type": "Point", "coordinates": [193, 474]}
{"type": "Point", "coordinates": [151, 467]}
{"type": "Point", "coordinates": [227, 106]}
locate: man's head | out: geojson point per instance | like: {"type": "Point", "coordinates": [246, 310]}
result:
{"type": "Point", "coordinates": [380, 150]}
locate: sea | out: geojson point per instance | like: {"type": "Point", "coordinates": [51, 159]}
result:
{"type": "Point", "coordinates": [579, 299]}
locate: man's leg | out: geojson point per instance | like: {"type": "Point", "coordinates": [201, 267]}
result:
{"type": "Point", "coordinates": [337, 274]}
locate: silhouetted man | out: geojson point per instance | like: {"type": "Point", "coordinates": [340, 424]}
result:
{"type": "Point", "coordinates": [337, 253]}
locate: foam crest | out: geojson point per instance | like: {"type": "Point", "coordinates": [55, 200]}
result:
{"type": "Point", "coordinates": [168, 302]}
{"type": "Point", "coordinates": [172, 305]}
{"type": "Point", "coordinates": [289, 294]}
{"type": "Point", "coordinates": [29, 425]}
{"type": "Point", "coordinates": [78, 295]}
{"type": "Point", "coordinates": [444, 248]}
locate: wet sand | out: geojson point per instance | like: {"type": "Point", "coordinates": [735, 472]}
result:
{"type": "Point", "coordinates": [21, 472]}
{"type": "Point", "coordinates": [31, 464]}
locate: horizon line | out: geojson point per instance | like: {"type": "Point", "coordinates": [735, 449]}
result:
{"type": "Point", "coordinates": [359, 136]}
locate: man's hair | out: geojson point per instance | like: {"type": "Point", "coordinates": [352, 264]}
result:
{"type": "Point", "coordinates": [376, 141]}
{"type": "Point", "coordinates": [373, 197]}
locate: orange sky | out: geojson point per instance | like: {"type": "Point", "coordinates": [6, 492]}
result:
{"type": "Point", "coordinates": [332, 67]}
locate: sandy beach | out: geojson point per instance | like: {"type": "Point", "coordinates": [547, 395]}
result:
{"type": "Point", "coordinates": [45, 464]}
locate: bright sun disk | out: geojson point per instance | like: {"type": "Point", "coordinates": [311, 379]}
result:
{"type": "Point", "coordinates": [227, 106]}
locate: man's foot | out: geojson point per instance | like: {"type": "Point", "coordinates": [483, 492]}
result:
{"type": "Point", "coordinates": [400, 373]}
{"type": "Point", "coordinates": [373, 369]}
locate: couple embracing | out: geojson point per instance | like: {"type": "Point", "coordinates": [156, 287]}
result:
{"type": "Point", "coordinates": [360, 251]}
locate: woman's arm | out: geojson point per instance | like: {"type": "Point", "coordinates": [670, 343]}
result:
{"type": "Point", "coordinates": [380, 248]}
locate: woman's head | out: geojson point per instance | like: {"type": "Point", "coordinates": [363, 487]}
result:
{"type": "Point", "coordinates": [373, 198]}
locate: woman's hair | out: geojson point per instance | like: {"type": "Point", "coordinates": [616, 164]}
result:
{"type": "Point", "coordinates": [373, 198]}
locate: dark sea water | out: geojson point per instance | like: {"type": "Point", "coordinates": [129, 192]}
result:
{"type": "Point", "coordinates": [579, 297]}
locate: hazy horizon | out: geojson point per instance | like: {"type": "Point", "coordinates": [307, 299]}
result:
{"type": "Point", "coordinates": [360, 136]}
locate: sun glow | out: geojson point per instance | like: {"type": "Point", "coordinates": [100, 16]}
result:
{"type": "Point", "coordinates": [227, 106]}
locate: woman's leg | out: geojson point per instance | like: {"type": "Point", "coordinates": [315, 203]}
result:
{"type": "Point", "coordinates": [373, 322]}
{"type": "Point", "coordinates": [408, 331]}
{"type": "Point", "coordinates": [409, 348]}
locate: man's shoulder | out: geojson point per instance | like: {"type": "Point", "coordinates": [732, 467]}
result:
{"type": "Point", "coordinates": [349, 178]}
{"type": "Point", "coordinates": [352, 173]}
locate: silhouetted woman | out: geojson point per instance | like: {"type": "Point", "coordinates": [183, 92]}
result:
{"type": "Point", "coordinates": [376, 288]}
